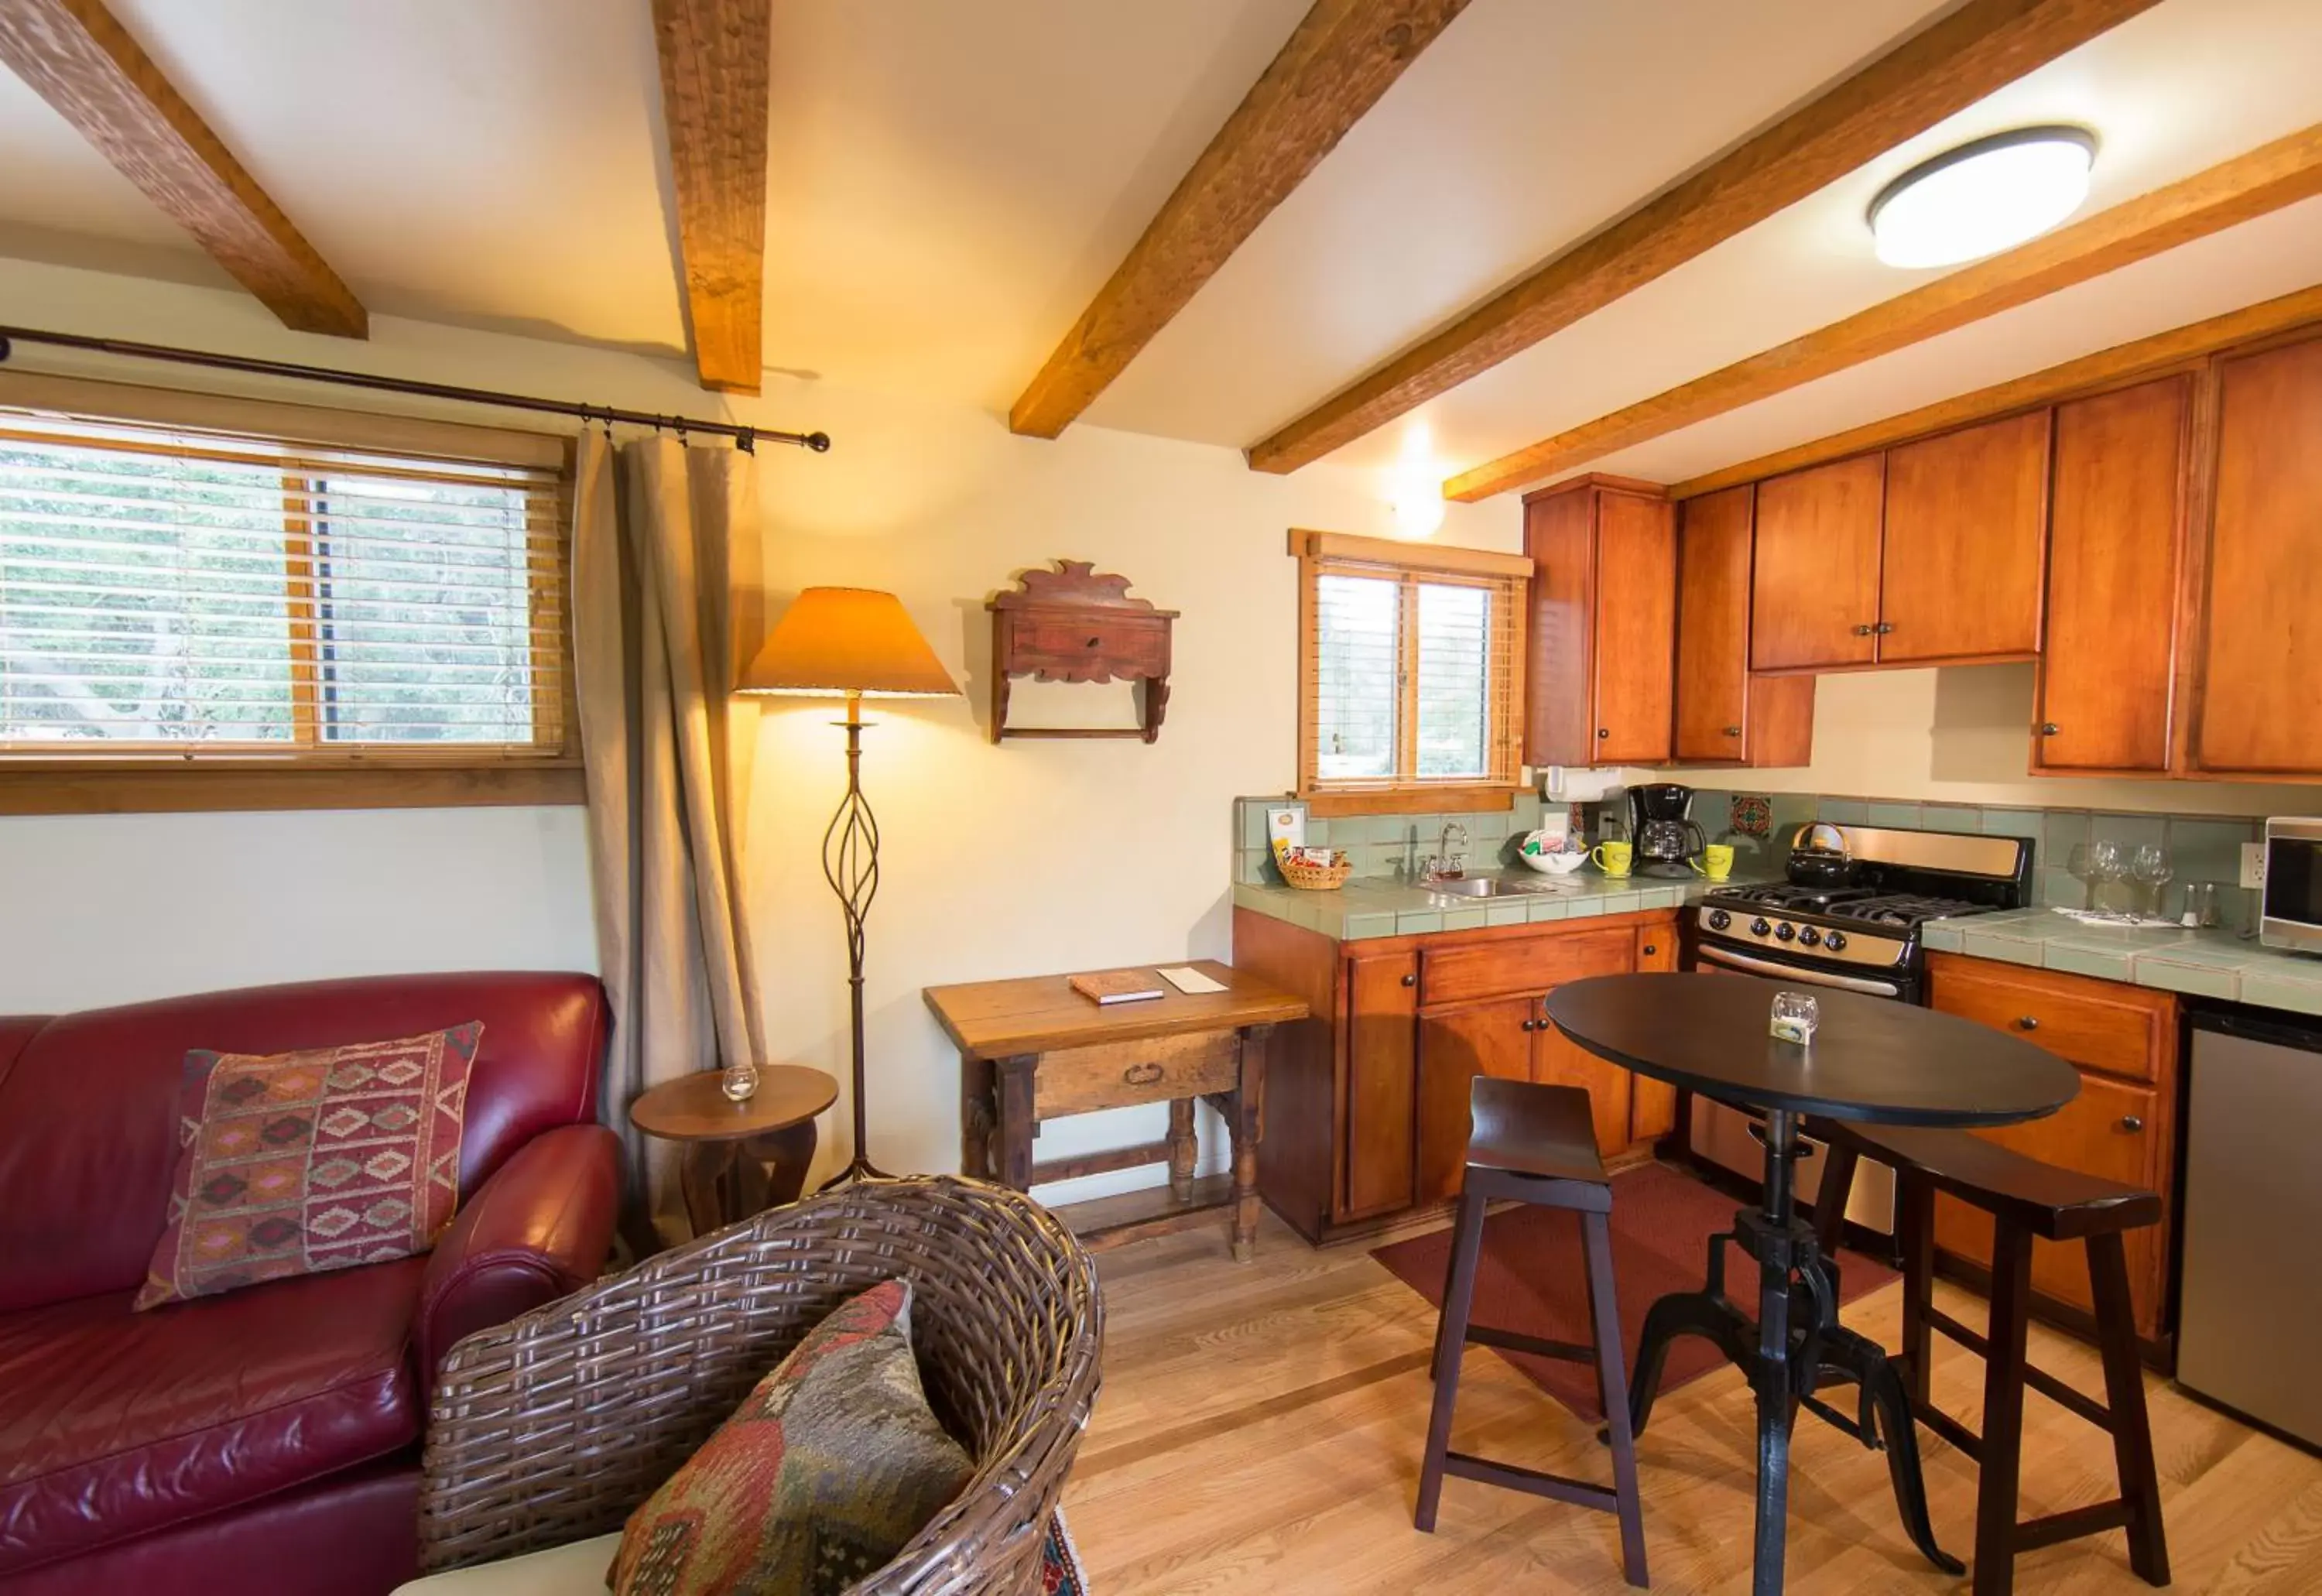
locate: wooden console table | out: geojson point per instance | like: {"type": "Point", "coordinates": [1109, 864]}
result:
{"type": "Point", "coordinates": [1034, 1050]}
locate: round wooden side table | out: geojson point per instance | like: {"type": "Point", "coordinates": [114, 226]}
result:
{"type": "Point", "coordinates": [738, 1158]}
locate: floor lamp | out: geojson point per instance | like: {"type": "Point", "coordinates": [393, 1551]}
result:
{"type": "Point", "coordinates": [854, 644]}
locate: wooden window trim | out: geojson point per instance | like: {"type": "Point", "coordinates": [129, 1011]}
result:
{"type": "Point", "coordinates": [142, 781]}
{"type": "Point", "coordinates": [1320, 551]}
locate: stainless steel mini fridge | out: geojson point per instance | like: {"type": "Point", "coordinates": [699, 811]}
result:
{"type": "Point", "coordinates": [2251, 1314]}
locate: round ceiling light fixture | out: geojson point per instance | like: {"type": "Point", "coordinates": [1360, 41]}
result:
{"type": "Point", "coordinates": [1985, 197]}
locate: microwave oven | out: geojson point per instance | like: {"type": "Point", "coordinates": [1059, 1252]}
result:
{"type": "Point", "coordinates": [2292, 899]}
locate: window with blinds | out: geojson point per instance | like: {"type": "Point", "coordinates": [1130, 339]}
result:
{"type": "Point", "coordinates": [205, 596]}
{"type": "Point", "coordinates": [1411, 674]}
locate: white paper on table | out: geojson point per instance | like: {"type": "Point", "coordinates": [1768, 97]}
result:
{"type": "Point", "coordinates": [1190, 981]}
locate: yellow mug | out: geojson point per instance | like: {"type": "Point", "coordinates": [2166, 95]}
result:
{"type": "Point", "coordinates": [1716, 861]}
{"type": "Point", "coordinates": [1612, 858]}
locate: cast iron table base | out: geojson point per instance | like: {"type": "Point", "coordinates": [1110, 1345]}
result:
{"type": "Point", "coordinates": [1796, 1348]}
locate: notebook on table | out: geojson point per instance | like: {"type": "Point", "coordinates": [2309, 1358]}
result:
{"type": "Point", "coordinates": [1116, 986]}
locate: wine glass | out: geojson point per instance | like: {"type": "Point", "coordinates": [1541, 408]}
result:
{"type": "Point", "coordinates": [2081, 866]}
{"type": "Point", "coordinates": [2107, 863]}
{"type": "Point", "coordinates": [2152, 867]}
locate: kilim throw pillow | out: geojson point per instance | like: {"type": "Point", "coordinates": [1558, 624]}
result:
{"type": "Point", "coordinates": [301, 1162]}
{"type": "Point", "coordinates": [826, 1471]}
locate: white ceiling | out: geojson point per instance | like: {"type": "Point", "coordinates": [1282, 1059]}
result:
{"type": "Point", "coordinates": [952, 182]}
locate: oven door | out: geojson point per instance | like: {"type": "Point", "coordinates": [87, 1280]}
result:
{"type": "Point", "coordinates": [1722, 1134]}
{"type": "Point", "coordinates": [1713, 955]}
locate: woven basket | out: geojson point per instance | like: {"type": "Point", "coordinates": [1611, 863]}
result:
{"type": "Point", "coordinates": [554, 1426]}
{"type": "Point", "coordinates": [1315, 878]}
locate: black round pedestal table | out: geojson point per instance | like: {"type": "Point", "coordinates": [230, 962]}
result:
{"type": "Point", "coordinates": [1871, 1060]}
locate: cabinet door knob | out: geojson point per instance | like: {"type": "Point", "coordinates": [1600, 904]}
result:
{"type": "Point", "coordinates": [1864, 630]}
{"type": "Point", "coordinates": [2028, 1023]}
{"type": "Point", "coordinates": [1651, 949]}
{"type": "Point", "coordinates": [1884, 627]}
{"type": "Point", "coordinates": [2049, 728]}
{"type": "Point", "coordinates": [1411, 979]}
{"type": "Point", "coordinates": [2131, 1123]}
{"type": "Point", "coordinates": [1525, 1026]}
{"type": "Point", "coordinates": [1732, 731]}
{"type": "Point", "coordinates": [1603, 730]}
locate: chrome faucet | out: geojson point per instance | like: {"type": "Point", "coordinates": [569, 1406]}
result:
{"type": "Point", "coordinates": [1444, 864]}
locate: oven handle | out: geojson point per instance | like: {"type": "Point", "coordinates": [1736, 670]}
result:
{"type": "Point", "coordinates": [1813, 978]}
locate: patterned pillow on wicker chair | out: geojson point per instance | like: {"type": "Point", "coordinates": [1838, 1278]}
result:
{"type": "Point", "coordinates": [296, 1162]}
{"type": "Point", "coordinates": [826, 1470]}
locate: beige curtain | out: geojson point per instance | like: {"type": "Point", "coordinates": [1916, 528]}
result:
{"type": "Point", "coordinates": [666, 578]}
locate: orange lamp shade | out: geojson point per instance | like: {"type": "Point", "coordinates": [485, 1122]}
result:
{"type": "Point", "coordinates": [835, 640]}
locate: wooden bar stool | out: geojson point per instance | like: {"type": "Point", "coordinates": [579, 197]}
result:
{"type": "Point", "coordinates": [2027, 1199]}
{"type": "Point", "coordinates": [1536, 1144]}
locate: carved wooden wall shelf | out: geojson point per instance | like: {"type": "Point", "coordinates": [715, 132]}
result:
{"type": "Point", "coordinates": [1072, 623]}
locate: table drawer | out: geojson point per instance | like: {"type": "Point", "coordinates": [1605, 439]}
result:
{"type": "Point", "coordinates": [2099, 1024]}
{"type": "Point", "coordinates": [1121, 1075]}
{"type": "Point", "coordinates": [1522, 964]}
{"type": "Point", "coordinates": [1075, 647]}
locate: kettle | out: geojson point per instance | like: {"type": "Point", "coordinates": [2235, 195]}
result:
{"type": "Point", "coordinates": [1819, 858]}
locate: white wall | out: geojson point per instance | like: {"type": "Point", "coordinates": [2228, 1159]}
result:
{"type": "Point", "coordinates": [107, 908]}
{"type": "Point", "coordinates": [1023, 859]}
{"type": "Point", "coordinates": [1961, 735]}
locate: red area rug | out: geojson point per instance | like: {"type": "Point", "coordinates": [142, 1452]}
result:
{"type": "Point", "coordinates": [1060, 1562]}
{"type": "Point", "coordinates": [1531, 1277]}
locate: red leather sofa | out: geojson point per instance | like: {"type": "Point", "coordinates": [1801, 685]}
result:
{"type": "Point", "coordinates": [266, 1439]}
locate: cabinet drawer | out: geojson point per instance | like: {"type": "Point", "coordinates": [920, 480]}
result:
{"type": "Point", "coordinates": [1119, 1074]}
{"type": "Point", "coordinates": [1522, 964]}
{"type": "Point", "coordinates": [1074, 649]}
{"type": "Point", "coordinates": [2099, 1024]}
{"type": "Point", "coordinates": [2110, 1130]}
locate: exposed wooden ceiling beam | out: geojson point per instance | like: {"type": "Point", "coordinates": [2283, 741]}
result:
{"type": "Point", "coordinates": [83, 62]}
{"type": "Point", "coordinates": [2266, 179]}
{"type": "Point", "coordinates": [1339, 61]}
{"type": "Point", "coordinates": [1938, 71]}
{"type": "Point", "coordinates": [716, 58]}
{"type": "Point", "coordinates": [2122, 363]}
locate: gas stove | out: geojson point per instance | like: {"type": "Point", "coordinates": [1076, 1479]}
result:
{"type": "Point", "coordinates": [1863, 935]}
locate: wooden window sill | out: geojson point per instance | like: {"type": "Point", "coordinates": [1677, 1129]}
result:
{"type": "Point", "coordinates": [61, 787]}
{"type": "Point", "coordinates": [1404, 801]}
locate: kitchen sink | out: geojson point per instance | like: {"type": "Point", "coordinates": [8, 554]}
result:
{"type": "Point", "coordinates": [1493, 887]}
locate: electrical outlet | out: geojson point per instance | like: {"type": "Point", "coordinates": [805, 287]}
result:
{"type": "Point", "coordinates": [2252, 864]}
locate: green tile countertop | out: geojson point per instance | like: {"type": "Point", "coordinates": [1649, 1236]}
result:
{"type": "Point", "coordinates": [1380, 905]}
{"type": "Point", "coordinates": [2204, 963]}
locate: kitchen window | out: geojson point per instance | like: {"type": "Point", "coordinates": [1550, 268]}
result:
{"type": "Point", "coordinates": [195, 617]}
{"type": "Point", "coordinates": [1410, 674]}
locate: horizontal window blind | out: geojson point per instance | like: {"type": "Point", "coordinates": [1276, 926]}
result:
{"type": "Point", "coordinates": [1411, 677]}
{"type": "Point", "coordinates": [204, 595]}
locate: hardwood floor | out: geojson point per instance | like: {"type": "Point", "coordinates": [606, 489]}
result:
{"type": "Point", "coordinates": [1260, 1427]}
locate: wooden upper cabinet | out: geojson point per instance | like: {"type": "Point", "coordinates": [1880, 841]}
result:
{"type": "Point", "coordinates": [1967, 516]}
{"type": "Point", "coordinates": [2259, 653]}
{"type": "Point", "coordinates": [1814, 597]}
{"type": "Point", "coordinates": [1724, 714]}
{"type": "Point", "coordinates": [1600, 686]}
{"type": "Point", "coordinates": [2116, 529]}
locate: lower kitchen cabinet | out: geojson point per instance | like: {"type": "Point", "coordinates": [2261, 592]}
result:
{"type": "Point", "coordinates": [1366, 1102]}
{"type": "Point", "coordinates": [2122, 1126]}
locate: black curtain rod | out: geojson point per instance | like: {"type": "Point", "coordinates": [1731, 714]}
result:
{"type": "Point", "coordinates": [746, 438]}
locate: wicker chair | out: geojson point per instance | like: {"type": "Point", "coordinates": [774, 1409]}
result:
{"type": "Point", "coordinates": [554, 1426]}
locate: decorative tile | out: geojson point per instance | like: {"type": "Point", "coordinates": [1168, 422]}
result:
{"type": "Point", "coordinates": [1952, 817]}
{"type": "Point", "coordinates": [1750, 815]}
{"type": "Point", "coordinates": [2013, 822]}
{"type": "Point", "coordinates": [2199, 981]}
{"type": "Point", "coordinates": [2269, 989]}
{"type": "Point", "coordinates": [2104, 964]}
{"type": "Point", "coordinates": [1900, 817]}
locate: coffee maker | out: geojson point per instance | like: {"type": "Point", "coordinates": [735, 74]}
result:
{"type": "Point", "coordinates": [1660, 830]}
